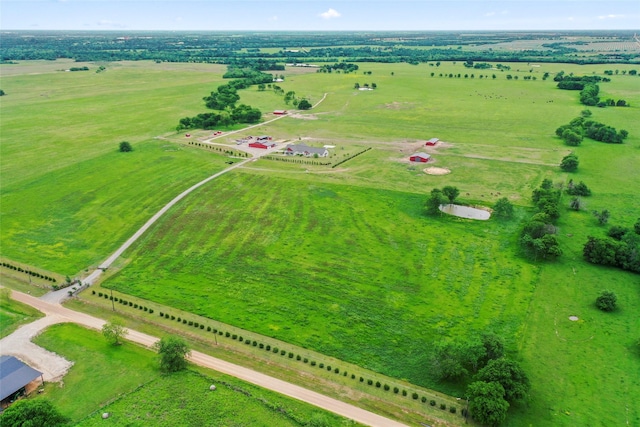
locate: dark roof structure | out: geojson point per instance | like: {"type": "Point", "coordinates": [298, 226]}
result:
{"type": "Point", "coordinates": [14, 375]}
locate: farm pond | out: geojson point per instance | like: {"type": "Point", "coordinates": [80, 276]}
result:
{"type": "Point", "coordinates": [465, 212]}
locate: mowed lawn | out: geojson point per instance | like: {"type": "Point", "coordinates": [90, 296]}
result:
{"type": "Point", "coordinates": [68, 196]}
{"type": "Point", "coordinates": [126, 379]}
{"type": "Point", "coordinates": [357, 273]}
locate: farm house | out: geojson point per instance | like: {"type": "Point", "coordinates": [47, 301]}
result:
{"type": "Point", "coordinates": [432, 142]}
{"type": "Point", "coordinates": [420, 157]}
{"type": "Point", "coordinates": [305, 150]}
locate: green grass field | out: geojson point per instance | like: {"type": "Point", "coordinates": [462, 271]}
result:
{"type": "Point", "coordinates": [342, 260]}
{"type": "Point", "coordinates": [296, 263]}
{"type": "Point", "coordinates": [69, 198]}
{"type": "Point", "coordinates": [125, 381]}
{"type": "Point", "coordinates": [13, 313]}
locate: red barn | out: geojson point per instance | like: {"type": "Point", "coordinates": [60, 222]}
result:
{"type": "Point", "coordinates": [263, 145]}
{"type": "Point", "coordinates": [280, 112]}
{"type": "Point", "coordinates": [420, 157]}
{"type": "Point", "coordinates": [432, 141]}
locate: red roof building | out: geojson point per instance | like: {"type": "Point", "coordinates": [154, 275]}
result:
{"type": "Point", "coordinates": [263, 145]}
{"type": "Point", "coordinates": [432, 141]}
{"type": "Point", "coordinates": [420, 157]}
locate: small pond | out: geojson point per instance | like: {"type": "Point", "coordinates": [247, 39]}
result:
{"type": "Point", "coordinates": [465, 212]}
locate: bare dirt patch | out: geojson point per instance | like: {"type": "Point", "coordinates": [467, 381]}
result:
{"type": "Point", "coordinates": [437, 171]}
{"type": "Point", "coordinates": [303, 116]}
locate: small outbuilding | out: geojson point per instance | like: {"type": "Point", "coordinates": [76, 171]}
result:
{"type": "Point", "coordinates": [15, 376]}
{"type": "Point", "coordinates": [280, 112]}
{"type": "Point", "coordinates": [432, 142]}
{"type": "Point", "coordinates": [420, 157]}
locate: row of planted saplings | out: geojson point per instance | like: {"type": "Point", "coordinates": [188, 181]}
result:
{"type": "Point", "coordinates": [292, 355]}
{"type": "Point", "coordinates": [29, 272]}
{"type": "Point", "coordinates": [123, 302]}
{"type": "Point", "coordinates": [222, 150]}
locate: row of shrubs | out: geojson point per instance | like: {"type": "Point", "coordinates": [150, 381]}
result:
{"type": "Point", "coordinates": [222, 150]}
{"type": "Point", "coordinates": [298, 357]}
{"type": "Point", "coordinates": [123, 302]}
{"type": "Point", "coordinates": [349, 158]}
{"type": "Point", "coordinates": [29, 272]}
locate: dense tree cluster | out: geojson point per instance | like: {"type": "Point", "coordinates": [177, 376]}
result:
{"type": "Point", "coordinates": [440, 197]}
{"type": "Point", "coordinates": [224, 100]}
{"type": "Point", "coordinates": [454, 360]}
{"type": "Point", "coordinates": [621, 249]}
{"type": "Point", "coordinates": [579, 189]}
{"type": "Point", "coordinates": [33, 413]}
{"type": "Point", "coordinates": [343, 67]}
{"type": "Point", "coordinates": [497, 380]}
{"type": "Point", "coordinates": [538, 236]}
{"type": "Point", "coordinates": [572, 134]}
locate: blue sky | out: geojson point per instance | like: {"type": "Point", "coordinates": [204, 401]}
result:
{"type": "Point", "coordinates": [312, 15]}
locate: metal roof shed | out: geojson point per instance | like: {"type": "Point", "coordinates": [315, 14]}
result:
{"type": "Point", "coordinates": [14, 375]}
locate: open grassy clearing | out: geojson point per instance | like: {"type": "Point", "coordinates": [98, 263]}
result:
{"type": "Point", "coordinates": [68, 197]}
{"type": "Point", "coordinates": [128, 375]}
{"type": "Point", "coordinates": [244, 258]}
{"type": "Point", "coordinates": [499, 132]}
{"type": "Point", "coordinates": [184, 399]}
{"type": "Point", "coordinates": [13, 313]}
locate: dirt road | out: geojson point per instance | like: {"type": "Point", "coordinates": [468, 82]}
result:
{"type": "Point", "coordinates": [60, 314]}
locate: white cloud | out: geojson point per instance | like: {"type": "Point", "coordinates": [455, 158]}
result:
{"type": "Point", "coordinates": [331, 13]}
{"type": "Point", "coordinates": [610, 16]}
{"type": "Point", "coordinates": [273, 18]}
{"type": "Point", "coordinates": [490, 14]}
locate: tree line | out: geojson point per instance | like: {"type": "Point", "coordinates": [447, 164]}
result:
{"type": "Point", "coordinates": [224, 101]}
{"type": "Point", "coordinates": [247, 49]}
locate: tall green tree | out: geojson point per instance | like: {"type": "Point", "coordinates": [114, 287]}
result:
{"type": "Point", "coordinates": [114, 331]}
{"type": "Point", "coordinates": [173, 352]}
{"type": "Point", "coordinates": [32, 413]}
{"type": "Point", "coordinates": [304, 104]}
{"type": "Point", "coordinates": [503, 208]}
{"type": "Point", "coordinates": [486, 402]}
{"type": "Point", "coordinates": [125, 147]}
{"type": "Point", "coordinates": [607, 301]}
{"type": "Point", "coordinates": [569, 163]}
{"type": "Point", "coordinates": [450, 193]}
{"type": "Point", "coordinates": [436, 198]}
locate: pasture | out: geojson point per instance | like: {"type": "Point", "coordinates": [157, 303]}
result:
{"type": "Point", "coordinates": [124, 380]}
{"type": "Point", "coordinates": [343, 261]}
